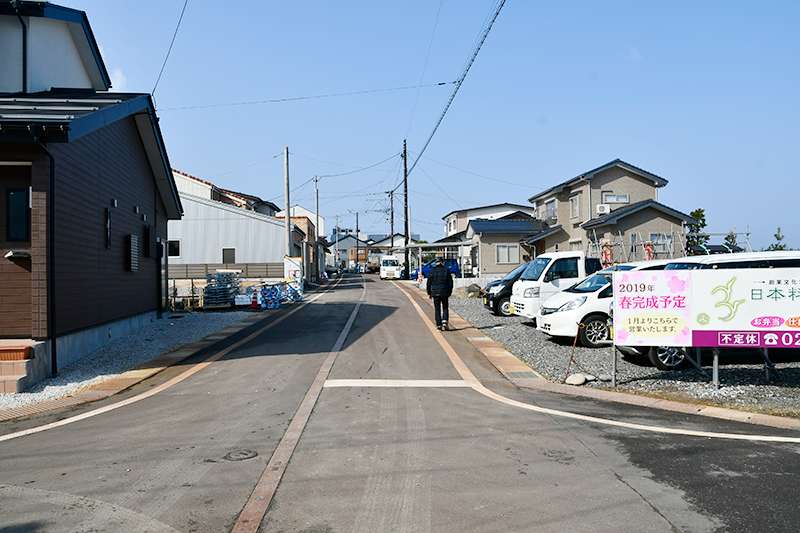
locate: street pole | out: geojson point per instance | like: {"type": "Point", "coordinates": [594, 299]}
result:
{"type": "Point", "coordinates": [337, 245]}
{"type": "Point", "coordinates": [391, 217]}
{"type": "Point", "coordinates": [405, 201]}
{"type": "Point", "coordinates": [316, 228]}
{"type": "Point", "coordinates": [288, 222]}
{"type": "Point", "coordinates": [356, 241]}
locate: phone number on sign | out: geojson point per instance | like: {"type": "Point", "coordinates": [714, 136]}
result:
{"type": "Point", "coordinates": [757, 339]}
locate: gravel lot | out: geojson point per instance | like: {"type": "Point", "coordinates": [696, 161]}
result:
{"type": "Point", "coordinates": [742, 378]}
{"type": "Point", "coordinates": [124, 353]}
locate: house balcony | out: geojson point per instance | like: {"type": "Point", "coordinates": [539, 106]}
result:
{"type": "Point", "coordinates": [547, 214]}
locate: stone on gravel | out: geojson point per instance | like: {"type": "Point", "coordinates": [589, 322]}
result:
{"type": "Point", "coordinates": [575, 379]}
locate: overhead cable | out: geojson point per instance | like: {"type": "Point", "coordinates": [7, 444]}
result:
{"type": "Point", "coordinates": [459, 81]}
{"type": "Point", "coordinates": [279, 100]}
{"type": "Point", "coordinates": [174, 35]}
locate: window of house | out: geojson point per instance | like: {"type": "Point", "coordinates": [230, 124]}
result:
{"type": "Point", "coordinates": [611, 198]}
{"type": "Point", "coordinates": [550, 210]}
{"type": "Point", "coordinates": [173, 248]}
{"type": "Point", "coordinates": [508, 254]}
{"type": "Point", "coordinates": [228, 255]}
{"type": "Point", "coordinates": [575, 246]}
{"type": "Point", "coordinates": [18, 215]}
{"type": "Point", "coordinates": [573, 206]}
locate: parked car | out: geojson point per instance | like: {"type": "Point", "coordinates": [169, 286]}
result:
{"type": "Point", "coordinates": [497, 295]}
{"type": "Point", "coordinates": [451, 264]}
{"type": "Point", "coordinates": [586, 303]}
{"type": "Point", "coordinates": [546, 275]}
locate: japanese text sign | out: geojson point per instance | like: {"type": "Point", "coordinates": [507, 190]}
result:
{"type": "Point", "coordinates": [735, 307]}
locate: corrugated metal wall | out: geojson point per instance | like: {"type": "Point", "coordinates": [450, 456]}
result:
{"type": "Point", "coordinates": [208, 226]}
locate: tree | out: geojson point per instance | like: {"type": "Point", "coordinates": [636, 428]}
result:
{"type": "Point", "coordinates": [777, 245]}
{"type": "Point", "coordinates": [730, 239]}
{"type": "Point", "coordinates": [694, 237]}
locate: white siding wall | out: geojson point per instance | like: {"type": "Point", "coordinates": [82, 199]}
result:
{"type": "Point", "coordinates": [11, 56]}
{"type": "Point", "coordinates": [53, 58]}
{"type": "Point", "coordinates": [208, 226]}
{"type": "Point", "coordinates": [188, 185]}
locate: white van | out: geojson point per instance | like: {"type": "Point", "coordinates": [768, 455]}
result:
{"type": "Point", "coordinates": [390, 267]}
{"type": "Point", "coordinates": [546, 275]}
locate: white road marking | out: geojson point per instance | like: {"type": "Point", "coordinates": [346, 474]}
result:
{"type": "Point", "coordinates": [397, 383]}
{"type": "Point", "coordinates": [476, 385]}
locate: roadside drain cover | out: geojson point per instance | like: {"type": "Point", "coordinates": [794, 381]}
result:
{"type": "Point", "coordinates": [241, 455]}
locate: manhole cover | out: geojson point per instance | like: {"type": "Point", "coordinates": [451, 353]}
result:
{"type": "Point", "coordinates": [241, 455]}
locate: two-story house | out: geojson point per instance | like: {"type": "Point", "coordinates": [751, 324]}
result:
{"type": "Point", "coordinates": [86, 194]}
{"type": "Point", "coordinates": [611, 212]}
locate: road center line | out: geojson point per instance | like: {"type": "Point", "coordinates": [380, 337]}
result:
{"type": "Point", "coordinates": [476, 385]}
{"type": "Point", "coordinates": [256, 507]}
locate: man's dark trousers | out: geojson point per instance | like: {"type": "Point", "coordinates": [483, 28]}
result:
{"type": "Point", "coordinates": [441, 309]}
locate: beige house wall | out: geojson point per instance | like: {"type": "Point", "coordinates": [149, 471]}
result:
{"type": "Point", "coordinates": [487, 244]}
{"type": "Point", "coordinates": [613, 180]}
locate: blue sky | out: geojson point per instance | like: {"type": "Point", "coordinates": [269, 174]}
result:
{"type": "Point", "coordinates": [703, 94]}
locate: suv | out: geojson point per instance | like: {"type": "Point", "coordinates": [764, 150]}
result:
{"type": "Point", "coordinates": [451, 264]}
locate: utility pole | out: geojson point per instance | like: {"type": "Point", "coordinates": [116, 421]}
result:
{"type": "Point", "coordinates": [356, 241]}
{"type": "Point", "coordinates": [405, 201]}
{"type": "Point", "coordinates": [288, 222]}
{"type": "Point", "coordinates": [316, 228]}
{"type": "Point", "coordinates": [337, 244]}
{"type": "Point", "coordinates": [391, 216]}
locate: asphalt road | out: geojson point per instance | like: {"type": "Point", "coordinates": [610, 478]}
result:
{"type": "Point", "coordinates": [351, 413]}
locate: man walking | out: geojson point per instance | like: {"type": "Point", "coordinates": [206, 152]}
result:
{"type": "Point", "coordinates": [440, 287]}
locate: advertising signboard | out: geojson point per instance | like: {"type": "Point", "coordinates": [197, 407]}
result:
{"type": "Point", "coordinates": [757, 308]}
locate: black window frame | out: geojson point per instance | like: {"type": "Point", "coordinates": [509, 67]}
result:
{"type": "Point", "coordinates": [9, 225]}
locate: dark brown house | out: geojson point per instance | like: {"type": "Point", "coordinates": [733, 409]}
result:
{"type": "Point", "coordinates": [85, 194]}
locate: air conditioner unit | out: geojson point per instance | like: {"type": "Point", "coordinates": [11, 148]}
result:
{"type": "Point", "coordinates": [603, 209]}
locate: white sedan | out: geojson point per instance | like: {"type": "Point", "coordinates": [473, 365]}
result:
{"type": "Point", "coordinates": [582, 309]}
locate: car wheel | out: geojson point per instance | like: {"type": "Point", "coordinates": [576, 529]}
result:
{"type": "Point", "coordinates": [667, 357]}
{"type": "Point", "coordinates": [503, 307]}
{"type": "Point", "coordinates": [595, 330]}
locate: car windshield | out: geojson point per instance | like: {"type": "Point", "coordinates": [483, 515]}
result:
{"type": "Point", "coordinates": [597, 281]}
{"type": "Point", "coordinates": [514, 273]}
{"type": "Point", "coordinates": [682, 266]}
{"type": "Point", "coordinates": [535, 268]}
{"type": "Point", "coordinates": [390, 262]}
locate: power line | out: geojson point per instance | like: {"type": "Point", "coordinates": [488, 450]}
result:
{"type": "Point", "coordinates": [360, 169]}
{"type": "Point", "coordinates": [279, 100]}
{"type": "Point", "coordinates": [482, 176]}
{"type": "Point", "coordinates": [460, 81]}
{"type": "Point", "coordinates": [174, 35]}
{"type": "Point", "coordinates": [438, 187]}
{"type": "Point", "coordinates": [248, 166]}
{"type": "Point", "coordinates": [425, 66]}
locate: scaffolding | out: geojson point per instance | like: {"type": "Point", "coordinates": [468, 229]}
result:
{"type": "Point", "coordinates": [619, 249]}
